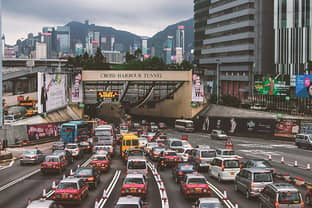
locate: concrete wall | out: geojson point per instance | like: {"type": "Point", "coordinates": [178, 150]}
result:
{"type": "Point", "coordinates": [178, 107]}
{"type": "Point", "coordinates": [13, 132]}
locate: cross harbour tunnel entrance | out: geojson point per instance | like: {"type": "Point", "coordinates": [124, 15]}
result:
{"type": "Point", "coordinates": [109, 94]}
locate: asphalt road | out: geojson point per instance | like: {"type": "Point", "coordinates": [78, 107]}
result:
{"type": "Point", "coordinates": [31, 188]}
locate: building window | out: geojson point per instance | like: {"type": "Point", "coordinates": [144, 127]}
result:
{"type": "Point", "coordinates": [284, 13]}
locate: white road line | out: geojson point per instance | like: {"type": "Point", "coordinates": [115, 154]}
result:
{"type": "Point", "coordinates": [8, 166]}
{"type": "Point", "coordinates": [110, 189]}
{"type": "Point", "coordinates": [19, 180]}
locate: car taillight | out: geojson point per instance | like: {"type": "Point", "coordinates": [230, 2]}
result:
{"type": "Point", "coordinates": [302, 203]}
{"type": "Point", "coordinates": [76, 140]}
{"type": "Point", "coordinates": [276, 204]}
{"type": "Point", "coordinates": [252, 185]}
{"type": "Point", "coordinates": [91, 179]}
{"type": "Point", "coordinates": [222, 167]}
{"type": "Point", "coordinates": [180, 173]}
{"type": "Point", "coordinates": [76, 196]}
{"type": "Point", "coordinates": [123, 191]}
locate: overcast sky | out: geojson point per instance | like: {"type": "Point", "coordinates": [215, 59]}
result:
{"type": "Point", "coordinates": [142, 17]}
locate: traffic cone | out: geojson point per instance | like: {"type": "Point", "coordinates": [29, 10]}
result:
{"type": "Point", "coordinates": [71, 173]}
{"type": "Point", "coordinates": [104, 194]}
{"type": "Point", "coordinates": [53, 185]}
{"type": "Point", "coordinates": [64, 177]}
{"type": "Point", "coordinates": [236, 205]}
{"type": "Point", "coordinates": [282, 160]}
{"type": "Point", "coordinates": [44, 193]}
{"type": "Point", "coordinates": [296, 163]}
{"type": "Point", "coordinates": [308, 166]}
{"type": "Point", "coordinates": [270, 157]}
{"type": "Point", "coordinates": [96, 205]}
{"type": "Point", "coordinates": [225, 195]}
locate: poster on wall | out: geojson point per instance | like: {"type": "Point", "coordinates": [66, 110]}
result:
{"type": "Point", "coordinates": [197, 89]}
{"type": "Point", "coordinates": [304, 86]}
{"type": "Point", "coordinates": [51, 92]}
{"type": "Point", "coordinates": [42, 131]}
{"type": "Point", "coordinates": [77, 90]}
{"type": "Point", "coordinates": [287, 128]}
{"type": "Point", "coordinates": [272, 85]}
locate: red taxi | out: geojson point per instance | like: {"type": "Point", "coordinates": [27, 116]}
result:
{"type": "Point", "coordinates": [71, 190]}
{"type": "Point", "coordinates": [134, 184]}
{"type": "Point", "coordinates": [53, 163]}
{"type": "Point", "coordinates": [170, 157]}
{"type": "Point", "coordinates": [100, 162]}
{"type": "Point", "coordinates": [195, 186]}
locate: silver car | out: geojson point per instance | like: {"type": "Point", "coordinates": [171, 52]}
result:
{"type": "Point", "coordinates": [31, 156]}
{"type": "Point", "coordinates": [208, 202]}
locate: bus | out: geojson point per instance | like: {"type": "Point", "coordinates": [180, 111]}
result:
{"type": "Point", "coordinates": [104, 134]}
{"type": "Point", "coordinates": [129, 141]}
{"type": "Point", "coordinates": [184, 125]}
{"type": "Point", "coordinates": [75, 131]}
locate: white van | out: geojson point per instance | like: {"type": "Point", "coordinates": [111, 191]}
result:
{"type": "Point", "coordinates": [184, 125]}
{"type": "Point", "coordinates": [224, 169]}
{"type": "Point", "coordinates": [137, 165]}
{"type": "Point", "coordinates": [104, 134]}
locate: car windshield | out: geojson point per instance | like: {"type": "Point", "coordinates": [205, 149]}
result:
{"type": "Point", "coordinates": [127, 206]}
{"type": "Point", "coordinates": [158, 149]}
{"type": "Point", "coordinates": [208, 154]}
{"type": "Point", "coordinates": [231, 164]}
{"type": "Point", "coordinates": [196, 181]}
{"type": "Point", "coordinates": [176, 143]}
{"type": "Point", "coordinates": [84, 172]}
{"type": "Point", "coordinates": [102, 158]}
{"type": "Point", "coordinates": [228, 153]}
{"type": "Point", "coordinates": [52, 159]}
{"type": "Point", "coordinates": [71, 146]}
{"type": "Point", "coordinates": [137, 165]}
{"type": "Point", "coordinates": [152, 144]}
{"type": "Point", "coordinates": [30, 152]}
{"type": "Point", "coordinates": [134, 181]}
{"type": "Point", "coordinates": [263, 164]}
{"type": "Point", "coordinates": [263, 177]}
{"type": "Point", "coordinates": [103, 133]}
{"type": "Point", "coordinates": [56, 152]}
{"type": "Point", "coordinates": [171, 154]}
{"type": "Point", "coordinates": [58, 143]}
{"type": "Point", "coordinates": [67, 186]}
{"type": "Point", "coordinates": [289, 198]}
{"type": "Point", "coordinates": [210, 205]}
{"type": "Point", "coordinates": [143, 140]}
{"type": "Point", "coordinates": [189, 125]}
{"type": "Point", "coordinates": [186, 167]}
{"type": "Point", "coordinates": [8, 118]}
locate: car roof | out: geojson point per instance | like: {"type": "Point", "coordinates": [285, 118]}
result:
{"type": "Point", "coordinates": [209, 200]}
{"type": "Point", "coordinates": [141, 158]}
{"type": "Point", "coordinates": [71, 144]}
{"type": "Point", "coordinates": [192, 175]}
{"type": "Point", "coordinates": [70, 180]}
{"type": "Point", "coordinates": [40, 203]}
{"type": "Point", "coordinates": [283, 187]}
{"type": "Point", "coordinates": [128, 200]}
{"type": "Point", "coordinates": [56, 155]}
{"type": "Point", "coordinates": [205, 149]}
{"type": "Point", "coordinates": [224, 149]}
{"type": "Point", "coordinates": [257, 170]}
{"type": "Point", "coordinates": [226, 158]}
{"type": "Point", "coordinates": [135, 175]}
{"type": "Point", "coordinates": [99, 155]}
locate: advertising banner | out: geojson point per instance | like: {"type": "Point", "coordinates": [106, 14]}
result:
{"type": "Point", "coordinates": [304, 86]}
{"type": "Point", "coordinates": [287, 128]}
{"type": "Point", "coordinates": [51, 92]}
{"type": "Point", "coordinates": [77, 90]}
{"type": "Point", "coordinates": [272, 85]}
{"type": "Point", "coordinates": [41, 131]}
{"type": "Point", "coordinates": [197, 89]}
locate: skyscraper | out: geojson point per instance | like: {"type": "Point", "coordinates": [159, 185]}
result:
{"type": "Point", "coordinates": [92, 42]}
{"type": "Point", "coordinates": [48, 37]}
{"type": "Point", "coordinates": [180, 39]}
{"type": "Point", "coordinates": [238, 43]}
{"type": "Point", "coordinates": [78, 49]}
{"type": "Point", "coordinates": [144, 46]}
{"type": "Point", "coordinates": [168, 49]}
{"type": "Point", "coordinates": [63, 39]}
{"type": "Point", "coordinates": [293, 35]}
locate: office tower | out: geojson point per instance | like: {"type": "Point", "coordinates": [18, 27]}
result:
{"type": "Point", "coordinates": [180, 39]}
{"type": "Point", "coordinates": [168, 50]}
{"type": "Point", "coordinates": [63, 39]}
{"type": "Point", "coordinates": [78, 49]}
{"type": "Point", "coordinates": [144, 46]}
{"type": "Point", "coordinates": [41, 51]}
{"type": "Point", "coordinates": [48, 37]}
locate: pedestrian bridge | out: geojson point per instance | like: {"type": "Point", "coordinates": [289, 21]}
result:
{"type": "Point", "coordinates": [143, 93]}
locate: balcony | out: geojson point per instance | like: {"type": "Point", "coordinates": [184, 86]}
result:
{"type": "Point", "coordinates": [249, 23]}
{"type": "Point", "coordinates": [242, 47]}
{"type": "Point", "coordinates": [229, 5]}
{"type": "Point", "coordinates": [226, 38]}
{"type": "Point", "coordinates": [230, 16]}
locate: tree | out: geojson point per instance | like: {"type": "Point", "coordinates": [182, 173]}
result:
{"type": "Point", "coordinates": [138, 53]}
{"type": "Point", "coordinates": [129, 57]}
{"type": "Point", "coordinates": [99, 58]}
{"type": "Point", "coordinates": [186, 65]}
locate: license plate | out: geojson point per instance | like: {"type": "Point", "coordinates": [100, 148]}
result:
{"type": "Point", "coordinates": [133, 190]}
{"type": "Point", "coordinates": [65, 196]}
{"type": "Point", "coordinates": [198, 190]}
{"type": "Point", "coordinates": [232, 173]}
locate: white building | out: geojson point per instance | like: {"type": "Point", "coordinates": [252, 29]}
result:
{"type": "Point", "coordinates": [179, 55]}
{"type": "Point", "coordinates": [114, 57]}
{"type": "Point", "coordinates": [41, 51]}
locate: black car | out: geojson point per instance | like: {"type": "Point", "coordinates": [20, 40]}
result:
{"type": "Point", "coordinates": [89, 175]}
{"type": "Point", "coordinates": [58, 146]}
{"type": "Point", "coordinates": [66, 153]}
{"type": "Point", "coordinates": [85, 146]}
{"type": "Point", "coordinates": [180, 170]}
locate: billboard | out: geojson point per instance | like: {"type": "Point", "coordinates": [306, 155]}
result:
{"type": "Point", "coordinates": [51, 92]}
{"type": "Point", "coordinates": [107, 96]}
{"type": "Point", "coordinates": [41, 131]}
{"type": "Point", "coordinates": [304, 86]}
{"type": "Point", "coordinates": [287, 128]}
{"type": "Point", "coordinates": [197, 89]}
{"type": "Point", "coordinates": [77, 96]}
{"type": "Point", "coordinates": [272, 85]}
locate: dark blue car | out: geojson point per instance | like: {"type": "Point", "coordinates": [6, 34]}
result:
{"type": "Point", "coordinates": [179, 171]}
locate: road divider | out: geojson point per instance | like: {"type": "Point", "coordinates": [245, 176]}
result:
{"type": "Point", "coordinates": [107, 192]}
{"type": "Point", "coordinates": [161, 186]}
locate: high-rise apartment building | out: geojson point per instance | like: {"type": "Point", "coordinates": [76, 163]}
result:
{"type": "Point", "coordinates": [144, 46]}
{"type": "Point", "coordinates": [180, 38]}
{"type": "Point", "coordinates": [63, 39]}
{"type": "Point", "coordinates": [238, 43]}
{"type": "Point", "coordinates": [293, 35]}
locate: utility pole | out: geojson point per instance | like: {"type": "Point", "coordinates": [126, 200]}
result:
{"type": "Point", "coordinates": [218, 80]}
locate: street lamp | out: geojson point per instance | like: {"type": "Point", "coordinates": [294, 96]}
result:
{"type": "Point", "coordinates": [218, 80]}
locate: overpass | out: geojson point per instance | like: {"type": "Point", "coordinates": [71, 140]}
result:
{"type": "Point", "coordinates": [159, 93]}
